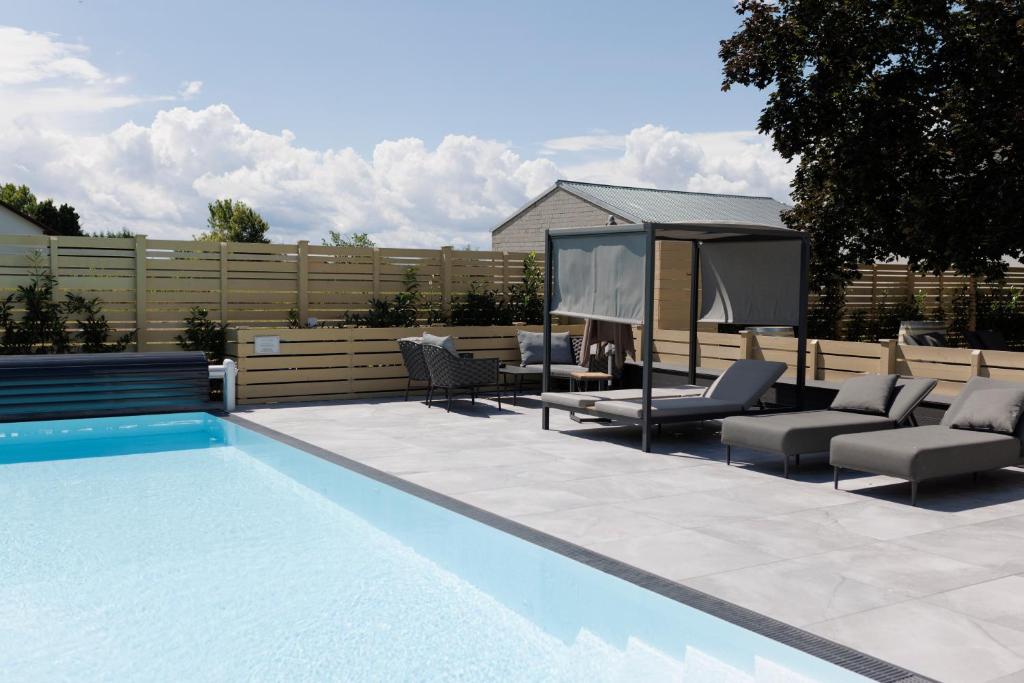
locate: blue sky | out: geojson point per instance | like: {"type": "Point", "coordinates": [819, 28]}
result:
{"type": "Point", "coordinates": [322, 89]}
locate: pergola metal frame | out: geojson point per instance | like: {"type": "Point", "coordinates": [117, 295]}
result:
{"type": "Point", "coordinates": [695, 232]}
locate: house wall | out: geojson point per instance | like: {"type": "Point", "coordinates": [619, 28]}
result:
{"type": "Point", "coordinates": [560, 209]}
{"type": "Point", "coordinates": [13, 224]}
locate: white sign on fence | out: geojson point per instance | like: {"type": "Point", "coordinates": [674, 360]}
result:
{"type": "Point", "coordinates": [266, 345]}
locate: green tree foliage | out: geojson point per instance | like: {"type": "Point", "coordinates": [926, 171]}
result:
{"type": "Point", "coordinates": [526, 299]}
{"type": "Point", "coordinates": [354, 239]}
{"type": "Point", "coordinates": [123, 232]}
{"type": "Point", "coordinates": [63, 219]}
{"type": "Point", "coordinates": [906, 120]}
{"type": "Point", "coordinates": [232, 221]}
{"type": "Point", "coordinates": [401, 310]}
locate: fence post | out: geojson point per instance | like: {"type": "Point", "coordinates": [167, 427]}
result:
{"type": "Point", "coordinates": [504, 271]}
{"type": "Point", "coordinates": [887, 360]}
{"type": "Point", "coordinates": [303, 266]}
{"type": "Point", "coordinates": [874, 291]}
{"type": "Point", "coordinates": [53, 248]}
{"type": "Point", "coordinates": [446, 279]}
{"type": "Point", "coordinates": [975, 362]}
{"type": "Point", "coordinates": [814, 360]}
{"type": "Point", "coordinates": [746, 345]}
{"type": "Point", "coordinates": [141, 340]}
{"type": "Point", "coordinates": [972, 321]}
{"type": "Point", "coordinates": [223, 283]}
{"type": "Point", "coordinates": [376, 272]}
{"type": "Point", "coordinates": [911, 283]}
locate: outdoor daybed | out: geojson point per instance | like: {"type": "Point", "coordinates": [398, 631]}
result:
{"type": "Point", "coordinates": [794, 434]}
{"type": "Point", "coordinates": [753, 274]}
{"type": "Point", "coordinates": [980, 431]}
{"type": "Point", "coordinates": [735, 392]}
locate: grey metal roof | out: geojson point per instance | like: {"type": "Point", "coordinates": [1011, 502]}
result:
{"type": "Point", "coordinates": [642, 204]}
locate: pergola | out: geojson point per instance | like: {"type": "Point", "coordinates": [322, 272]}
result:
{"type": "Point", "coordinates": [752, 275]}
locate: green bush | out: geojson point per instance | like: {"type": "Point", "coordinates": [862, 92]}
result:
{"type": "Point", "coordinates": [401, 310]}
{"type": "Point", "coordinates": [42, 326]}
{"type": "Point", "coordinates": [203, 334]}
{"type": "Point", "coordinates": [480, 307]}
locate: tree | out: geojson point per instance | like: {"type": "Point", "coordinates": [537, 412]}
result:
{"type": "Point", "coordinates": [354, 239]}
{"type": "Point", "coordinates": [232, 221]}
{"type": "Point", "coordinates": [62, 220]}
{"type": "Point", "coordinates": [908, 122]}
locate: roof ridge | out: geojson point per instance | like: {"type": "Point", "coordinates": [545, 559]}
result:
{"type": "Point", "coordinates": [562, 181]}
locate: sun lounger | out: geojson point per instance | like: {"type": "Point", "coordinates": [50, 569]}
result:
{"type": "Point", "coordinates": [735, 391]}
{"type": "Point", "coordinates": [794, 434]}
{"type": "Point", "coordinates": [946, 449]}
{"type": "Point", "coordinates": [577, 400]}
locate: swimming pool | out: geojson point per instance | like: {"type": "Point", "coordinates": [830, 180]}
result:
{"type": "Point", "coordinates": [186, 547]}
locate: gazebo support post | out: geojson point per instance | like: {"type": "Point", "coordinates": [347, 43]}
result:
{"type": "Point", "coordinates": [648, 338]}
{"type": "Point", "coordinates": [694, 298]}
{"type": "Point", "coordinates": [801, 339]}
{"type": "Point", "coordinates": [545, 413]}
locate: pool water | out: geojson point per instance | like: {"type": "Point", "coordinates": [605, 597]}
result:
{"type": "Point", "coordinates": [185, 547]}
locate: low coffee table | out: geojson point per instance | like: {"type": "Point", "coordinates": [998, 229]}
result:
{"type": "Point", "coordinates": [514, 375]}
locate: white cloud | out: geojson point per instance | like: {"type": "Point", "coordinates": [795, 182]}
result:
{"type": "Point", "coordinates": [190, 89]}
{"type": "Point", "coordinates": [157, 177]}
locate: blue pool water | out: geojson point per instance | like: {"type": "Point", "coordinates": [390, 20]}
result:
{"type": "Point", "coordinates": [184, 547]}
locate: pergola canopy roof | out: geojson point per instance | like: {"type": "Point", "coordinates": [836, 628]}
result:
{"type": "Point", "coordinates": [752, 274]}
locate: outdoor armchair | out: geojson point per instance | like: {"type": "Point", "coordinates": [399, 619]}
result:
{"type": "Point", "coordinates": [453, 373]}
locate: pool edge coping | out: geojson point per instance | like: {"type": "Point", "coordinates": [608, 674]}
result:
{"type": "Point", "coordinates": [817, 646]}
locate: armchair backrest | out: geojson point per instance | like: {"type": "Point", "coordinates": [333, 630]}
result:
{"type": "Point", "coordinates": [415, 363]}
{"type": "Point", "coordinates": [439, 364]}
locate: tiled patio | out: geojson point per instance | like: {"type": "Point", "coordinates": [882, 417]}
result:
{"type": "Point", "coordinates": [938, 589]}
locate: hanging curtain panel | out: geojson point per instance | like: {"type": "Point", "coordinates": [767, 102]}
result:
{"type": "Point", "coordinates": [599, 275]}
{"type": "Point", "coordinates": [751, 282]}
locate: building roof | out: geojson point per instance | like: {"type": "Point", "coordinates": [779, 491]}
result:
{"type": "Point", "coordinates": [642, 204]}
{"type": "Point", "coordinates": [33, 221]}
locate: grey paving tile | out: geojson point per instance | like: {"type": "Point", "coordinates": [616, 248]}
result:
{"type": "Point", "coordinates": [524, 500]}
{"type": "Point", "coordinates": [880, 520]}
{"type": "Point", "coordinates": [931, 640]}
{"type": "Point", "coordinates": [596, 524]}
{"type": "Point", "coordinates": [796, 593]}
{"type": "Point", "coordinates": [1000, 601]}
{"type": "Point", "coordinates": [998, 544]}
{"type": "Point", "coordinates": [700, 508]}
{"type": "Point", "coordinates": [789, 536]}
{"type": "Point", "coordinates": [682, 554]}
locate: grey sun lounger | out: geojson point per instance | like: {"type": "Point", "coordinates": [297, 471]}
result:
{"type": "Point", "coordinates": [794, 434]}
{"type": "Point", "coordinates": [920, 453]}
{"type": "Point", "coordinates": [736, 391]}
{"type": "Point", "coordinates": [578, 400]}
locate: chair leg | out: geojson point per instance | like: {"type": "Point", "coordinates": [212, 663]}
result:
{"type": "Point", "coordinates": [785, 466]}
{"type": "Point", "coordinates": [835, 477]}
{"type": "Point", "coordinates": [913, 494]}
{"type": "Point", "coordinates": [728, 455]}
{"type": "Point", "coordinates": [430, 395]}
{"type": "Point", "coordinates": [472, 395]}
{"type": "Point", "coordinates": [448, 395]}
{"type": "Point", "coordinates": [796, 459]}
{"type": "Point", "coordinates": [408, 383]}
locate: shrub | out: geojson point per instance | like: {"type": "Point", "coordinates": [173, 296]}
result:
{"type": "Point", "coordinates": [401, 310]}
{"type": "Point", "coordinates": [480, 307]}
{"type": "Point", "coordinates": [203, 334]}
{"type": "Point", "coordinates": [42, 324]}
{"type": "Point", "coordinates": [526, 299]}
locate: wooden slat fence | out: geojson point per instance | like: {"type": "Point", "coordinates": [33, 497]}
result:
{"type": "Point", "coordinates": [835, 361]}
{"type": "Point", "coordinates": [347, 363]}
{"type": "Point", "coordinates": [250, 285]}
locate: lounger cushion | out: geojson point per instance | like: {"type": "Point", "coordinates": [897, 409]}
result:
{"type": "Point", "coordinates": [980, 384]}
{"type": "Point", "coordinates": [990, 410]}
{"type": "Point", "coordinates": [583, 399]}
{"type": "Point", "coordinates": [908, 395]}
{"type": "Point", "coordinates": [918, 453]}
{"type": "Point", "coordinates": [795, 433]}
{"type": "Point", "coordinates": [683, 408]}
{"type": "Point", "coordinates": [531, 348]}
{"type": "Point", "coordinates": [869, 394]}
{"type": "Point", "coordinates": [745, 381]}
{"type": "Point", "coordinates": [446, 343]}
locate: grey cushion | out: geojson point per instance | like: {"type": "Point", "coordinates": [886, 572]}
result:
{"type": "Point", "coordinates": [908, 395]}
{"type": "Point", "coordinates": [446, 343]}
{"type": "Point", "coordinates": [531, 348]}
{"type": "Point", "coordinates": [795, 433]}
{"type": "Point", "coordinates": [684, 408]}
{"type": "Point", "coordinates": [582, 399]}
{"type": "Point", "coordinates": [980, 384]}
{"type": "Point", "coordinates": [918, 453]}
{"type": "Point", "coordinates": [745, 381]}
{"type": "Point", "coordinates": [990, 410]}
{"type": "Point", "coordinates": [870, 394]}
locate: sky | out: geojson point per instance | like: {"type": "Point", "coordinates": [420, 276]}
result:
{"type": "Point", "coordinates": [422, 123]}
